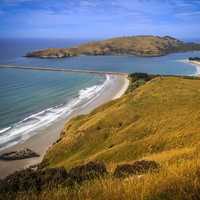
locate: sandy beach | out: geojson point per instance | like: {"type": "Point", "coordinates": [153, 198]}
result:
{"type": "Point", "coordinates": [45, 137]}
{"type": "Point", "coordinates": [196, 63]}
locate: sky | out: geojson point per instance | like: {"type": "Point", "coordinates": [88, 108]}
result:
{"type": "Point", "coordinates": [99, 18]}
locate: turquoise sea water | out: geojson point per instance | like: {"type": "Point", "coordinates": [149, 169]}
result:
{"type": "Point", "coordinates": [31, 99]}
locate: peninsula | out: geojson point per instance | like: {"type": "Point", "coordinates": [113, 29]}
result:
{"type": "Point", "coordinates": [146, 46]}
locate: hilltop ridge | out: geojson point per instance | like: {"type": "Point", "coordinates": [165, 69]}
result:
{"type": "Point", "coordinates": [145, 45]}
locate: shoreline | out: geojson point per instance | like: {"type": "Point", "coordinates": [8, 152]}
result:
{"type": "Point", "coordinates": [196, 64]}
{"type": "Point", "coordinates": [45, 137]}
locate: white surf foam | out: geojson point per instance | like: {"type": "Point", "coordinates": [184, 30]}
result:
{"type": "Point", "coordinates": [26, 128]}
{"type": "Point", "coordinates": [4, 129]}
{"type": "Point", "coordinates": [197, 67]}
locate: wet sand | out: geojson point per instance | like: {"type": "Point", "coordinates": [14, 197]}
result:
{"type": "Point", "coordinates": [46, 136]}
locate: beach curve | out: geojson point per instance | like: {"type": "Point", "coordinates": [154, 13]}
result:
{"type": "Point", "coordinates": [46, 136]}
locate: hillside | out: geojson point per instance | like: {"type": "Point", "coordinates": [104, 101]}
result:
{"type": "Point", "coordinates": [135, 45]}
{"type": "Point", "coordinates": [159, 116]}
{"type": "Point", "coordinates": [157, 121]}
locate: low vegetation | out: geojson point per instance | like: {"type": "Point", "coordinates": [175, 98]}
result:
{"type": "Point", "coordinates": [147, 143]}
{"type": "Point", "coordinates": [137, 80]}
{"type": "Point", "coordinates": [137, 168]}
{"type": "Point", "coordinates": [194, 59]}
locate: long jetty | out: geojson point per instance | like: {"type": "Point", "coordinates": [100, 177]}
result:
{"type": "Point", "coordinates": [56, 69]}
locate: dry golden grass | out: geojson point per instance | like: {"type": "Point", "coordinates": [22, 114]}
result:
{"type": "Point", "coordinates": [160, 117]}
{"type": "Point", "coordinates": [158, 121]}
{"type": "Point", "coordinates": [180, 181]}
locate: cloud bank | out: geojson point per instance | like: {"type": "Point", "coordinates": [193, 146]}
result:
{"type": "Point", "coordinates": [99, 18]}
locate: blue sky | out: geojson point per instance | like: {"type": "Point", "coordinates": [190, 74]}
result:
{"type": "Point", "coordinates": [99, 18]}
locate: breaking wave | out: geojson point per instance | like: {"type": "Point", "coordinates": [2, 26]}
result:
{"type": "Point", "coordinates": [24, 129]}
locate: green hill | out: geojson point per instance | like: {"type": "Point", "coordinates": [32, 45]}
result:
{"type": "Point", "coordinates": [160, 116]}
{"type": "Point", "coordinates": [158, 121]}
{"type": "Point", "coordinates": [135, 45]}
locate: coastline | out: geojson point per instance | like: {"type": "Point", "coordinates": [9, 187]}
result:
{"type": "Point", "coordinates": [195, 64]}
{"type": "Point", "coordinates": [45, 137]}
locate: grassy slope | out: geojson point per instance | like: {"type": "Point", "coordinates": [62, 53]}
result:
{"type": "Point", "coordinates": [138, 45]}
{"type": "Point", "coordinates": [159, 120]}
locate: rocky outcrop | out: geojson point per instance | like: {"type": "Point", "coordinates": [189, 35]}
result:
{"type": "Point", "coordinates": [135, 45]}
{"type": "Point", "coordinates": [137, 168]}
{"type": "Point", "coordinates": [19, 155]}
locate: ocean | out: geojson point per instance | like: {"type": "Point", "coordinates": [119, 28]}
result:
{"type": "Point", "coordinates": [33, 99]}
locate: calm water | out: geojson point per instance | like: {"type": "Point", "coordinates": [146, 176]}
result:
{"type": "Point", "coordinates": [31, 99]}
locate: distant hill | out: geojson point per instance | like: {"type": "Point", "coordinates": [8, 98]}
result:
{"type": "Point", "coordinates": [135, 45]}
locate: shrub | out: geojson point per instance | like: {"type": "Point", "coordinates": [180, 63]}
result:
{"type": "Point", "coordinates": [138, 167]}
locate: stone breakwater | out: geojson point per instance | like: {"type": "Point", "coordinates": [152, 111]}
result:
{"type": "Point", "coordinates": [63, 70]}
